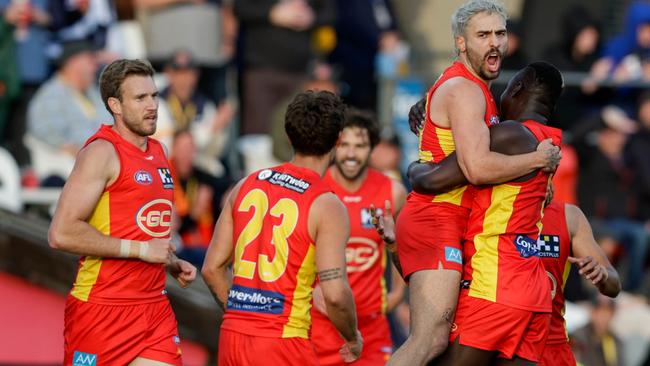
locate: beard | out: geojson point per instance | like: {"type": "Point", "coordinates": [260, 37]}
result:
{"type": "Point", "coordinates": [140, 126]}
{"type": "Point", "coordinates": [479, 63]}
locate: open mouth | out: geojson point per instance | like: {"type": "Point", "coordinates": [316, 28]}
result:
{"type": "Point", "coordinates": [493, 61]}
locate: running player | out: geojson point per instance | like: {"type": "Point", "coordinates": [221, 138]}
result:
{"type": "Point", "coordinates": [279, 227]}
{"type": "Point", "coordinates": [430, 227]}
{"type": "Point", "coordinates": [115, 211]}
{"type": "Point", "coordinates": [567, 238]}
{"type": "Point", "coordinates": [361, 189]}
{"type": "Point", "coordinates": [506, 289]}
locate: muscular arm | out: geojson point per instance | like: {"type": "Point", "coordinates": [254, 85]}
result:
{"type": "Point", "coordinates": [96, 167]}
{"type": "Point", "coordinates": [464, 104]}
{"type": "Point", "coordinates": [585, 248]}
{"type": "Point", "coordinates": [329, 225]}
{"type": "Point", "coordinates": [219, 255]}
{"type": "Point", "coordinates": [507, 138]}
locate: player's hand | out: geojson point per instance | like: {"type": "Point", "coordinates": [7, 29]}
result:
{"type": "Point", "coordinates": [417, 116]}
{"type": "Point", "coordinates": [550, 154]}
{"type": "Point", "coordinates": [351, 351]}
{"type": "Point", "coordinates": [157, 251]}
{"type": "Point", "coordinates": [319, 300]}
{"type": "Point", "coordinates": [590, 269]}
{"type": "Point", "coordinates": [384, 224]}
{"type": "Point", "coordinates": [183, 271]}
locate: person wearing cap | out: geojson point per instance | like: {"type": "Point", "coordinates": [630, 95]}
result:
{"type": "Point", "coordinates": [68, 108]}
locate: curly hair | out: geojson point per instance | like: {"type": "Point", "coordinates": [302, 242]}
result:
{"type": "Point", "coordinates": [313, 122]}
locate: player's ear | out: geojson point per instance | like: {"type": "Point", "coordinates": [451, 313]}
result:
{"type": "Point", "coordinates": [114, 105]}
{"type": "Point", "coordinates": [460, 44]}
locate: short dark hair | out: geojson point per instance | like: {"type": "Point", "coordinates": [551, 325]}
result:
{"type": "Point", "coordinates": [313, 122]}
{"type": "Point", "coordinates": [365, 120]}
{"type": "Point", "coordinates": [549, 82]}
{"type": "Point", "coordinates": [113, 75]}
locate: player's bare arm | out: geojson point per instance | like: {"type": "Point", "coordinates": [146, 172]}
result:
{"type": "Point", "coordinates": [398, 287]}
{"type": "Point", "coordinates": [97, 166]}
{"type": "Point", "coordinates": [218, 258]}
{"type": "Point", "coordinates": [588, 256]}
{"type": "Point", "coordinates": [464, 106]}
{"type": "Point", "coordinates": [330, 228]}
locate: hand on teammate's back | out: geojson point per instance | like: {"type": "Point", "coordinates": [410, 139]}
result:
{"type": "Point", "coordinates": [351, 351]}
{"type": "Point", "coordinates": [158, 251]}
{"type": "Point", "coordinates": [551, 155]}
{"type": "Point", "coordinates": [417, 115]}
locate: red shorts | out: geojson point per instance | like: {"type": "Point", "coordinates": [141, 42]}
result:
{"type": "Point", "coordinates": [117, 334]}
{"type": "Point", "coordinates": [239, 349]}
{"type": "Point", "coordinates": [557, 355]}
{"type": "Point", "coordinates": [377, 345]}
{"type": "Point", "coordinates": [492, 326]}
{"type": "Point", "coordinates": [429, 236]}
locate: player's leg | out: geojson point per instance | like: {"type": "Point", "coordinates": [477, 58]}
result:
{"type": "Point", "coordinates": [432, 300]}
{"type": "Point", "coordinates": [458, 354]}
{"type": "Point", "coordinates": [515, 361]}
{"type": "Point", "coordinates": [147, 362]}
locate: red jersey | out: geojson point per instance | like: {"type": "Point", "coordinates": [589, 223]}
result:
{"type": "Point", "coordinates": [137, 206]}
{"type": "Point", "coordinates": [438, 142]}
{"type": "Point", "coordinates": [365, 253]}
{"type": "Point", "coordinates": [554, 246]}
{"type": "Point", "coordinates": [274, 256]}
{"type": "Point", "coordinates": [501, 249]}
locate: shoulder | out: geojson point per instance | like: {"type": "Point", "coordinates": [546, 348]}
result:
{"type": "Point", "coordinates": [330, 206]}
{"type": "Point", "coordinates": [459, 86]}
{"type": "Point", "coordinates": [511, 137]}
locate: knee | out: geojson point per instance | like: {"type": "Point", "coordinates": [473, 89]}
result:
{"type": "Point", "coordinates": [438, 345]}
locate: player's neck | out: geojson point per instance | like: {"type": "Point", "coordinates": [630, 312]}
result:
{"type": "Point", "coordinates": [536, 112]}
{"type": "Point", "coordinates": [318, 164]}
{"type": "Point", "coordinates": [350, 185]}
{"type": "Point", "coordinates": [138, 141]}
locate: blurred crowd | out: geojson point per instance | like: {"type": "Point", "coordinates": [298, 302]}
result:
{"type": "Point", "coordinates": [227, 69]}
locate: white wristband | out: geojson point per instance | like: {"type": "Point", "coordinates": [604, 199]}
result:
{"type": "Point", "coordinates": [125, 248]}
{"type": "Point", "coordinates": [144, 247]}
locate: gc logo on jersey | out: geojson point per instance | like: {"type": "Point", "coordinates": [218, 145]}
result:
{"type": "Point", "coordinates": [166, 178]}
{"type": "Point", "coordinates": [143, 177]}
{"type": "Point", "coordinates": [360, 254]}
{"type": "Point", "coordinates": [155, 218]}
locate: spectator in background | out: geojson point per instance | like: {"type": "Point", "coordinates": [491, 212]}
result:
{"type": "Point", "coordinates": [9, 79]}
{"type": "Point", "coordinates": [276, 36]}
{"type": "Point", "coordinates": [192, 201]}
{"type": "Point", "coordinates": [321, 76]}
{"type": "Point", "coordinates": [364, 28]}
{"type": "Point", "coordinates": [637, 157]}
{"type": "Point", "coordinates": [68, 108]}
{"type": "Point", "coordinates": [207, 29]}
{"type": "Point", "coordinates": [30, 21]}
{"type": "Point", "coordinates": [515, 58]}
{"type": "Point", "coordinates": [184, 108]}
{"type": "Point", "coordinates": [595, 344]}
{"type": "Point", "coordinates": [75, 20]}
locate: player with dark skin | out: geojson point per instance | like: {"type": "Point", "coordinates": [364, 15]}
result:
{"type": "Point", "coordinates": [524, 99]}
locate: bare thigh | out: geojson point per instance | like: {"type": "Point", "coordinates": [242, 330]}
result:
{"type": "Point", "coordinates": [139, 361]}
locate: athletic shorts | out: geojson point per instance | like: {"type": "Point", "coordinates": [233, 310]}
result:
{"type": "Point", "coordinates": [117, 334]}
{"type": "Point", "coordinates": [557, 355]}
{"type": "Point", "coordinates": [429, 236]}
{"type": "Point", "coordinates": [491, 326]}
{"type": "Point", "coordinates": [239, 349]}
{"type": "Point", "coordinates": [377, 345]}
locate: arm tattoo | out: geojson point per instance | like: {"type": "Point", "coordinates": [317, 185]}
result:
{"type": "Point", "coordinates": [330, 274]}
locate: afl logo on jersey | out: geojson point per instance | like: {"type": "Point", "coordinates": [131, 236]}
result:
{"type": "Point", "coordinates": [142, 177]}
{"type": "Point", "coordinates": [360, 254]}
{"type": "Point", "coordinates": [155, 218]}
{"type": "Point", "coordinates": [265, 174]}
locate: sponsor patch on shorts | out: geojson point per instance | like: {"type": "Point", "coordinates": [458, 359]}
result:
{"type": "Point", "coordinates": [84, 359]}
{"type": "Point", "coordinates": [526, 246]}
{"type": "Point", "coordinates": [255, 300]}
{"type": "Point", "coordinates": [453, 255]}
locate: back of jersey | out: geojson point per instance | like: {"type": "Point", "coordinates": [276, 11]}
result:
{"type": "Point", "coordinates": [274, 256]}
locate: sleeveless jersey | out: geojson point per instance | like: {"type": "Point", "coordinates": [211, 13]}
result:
{"type": "Point", "coordinates": [501, 249]}
{"type": "Point", "coordinates": [554, 245]}
{"type": "Point", "coordinates": [274, 256]}
{"type": "Point", "coordinates": [438, 142]}
{"type": "Point", "coordinates": [365, 253]}
{"type": "Point", "coordinates": [137, 206]}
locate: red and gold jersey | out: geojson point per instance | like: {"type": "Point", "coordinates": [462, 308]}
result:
{"type": "Point", "coordinates": [137, 206]}
{"type": "Point", "coordinates": [365, 253]}
{"type": "Point", "coordinates": [438, 142]}
{"type": "Point", "coordinates": [554, 248]}
{"type": "Point", "coordinates": [500, 252]}
{"type": "Point", "coordinates": [274, 256]}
